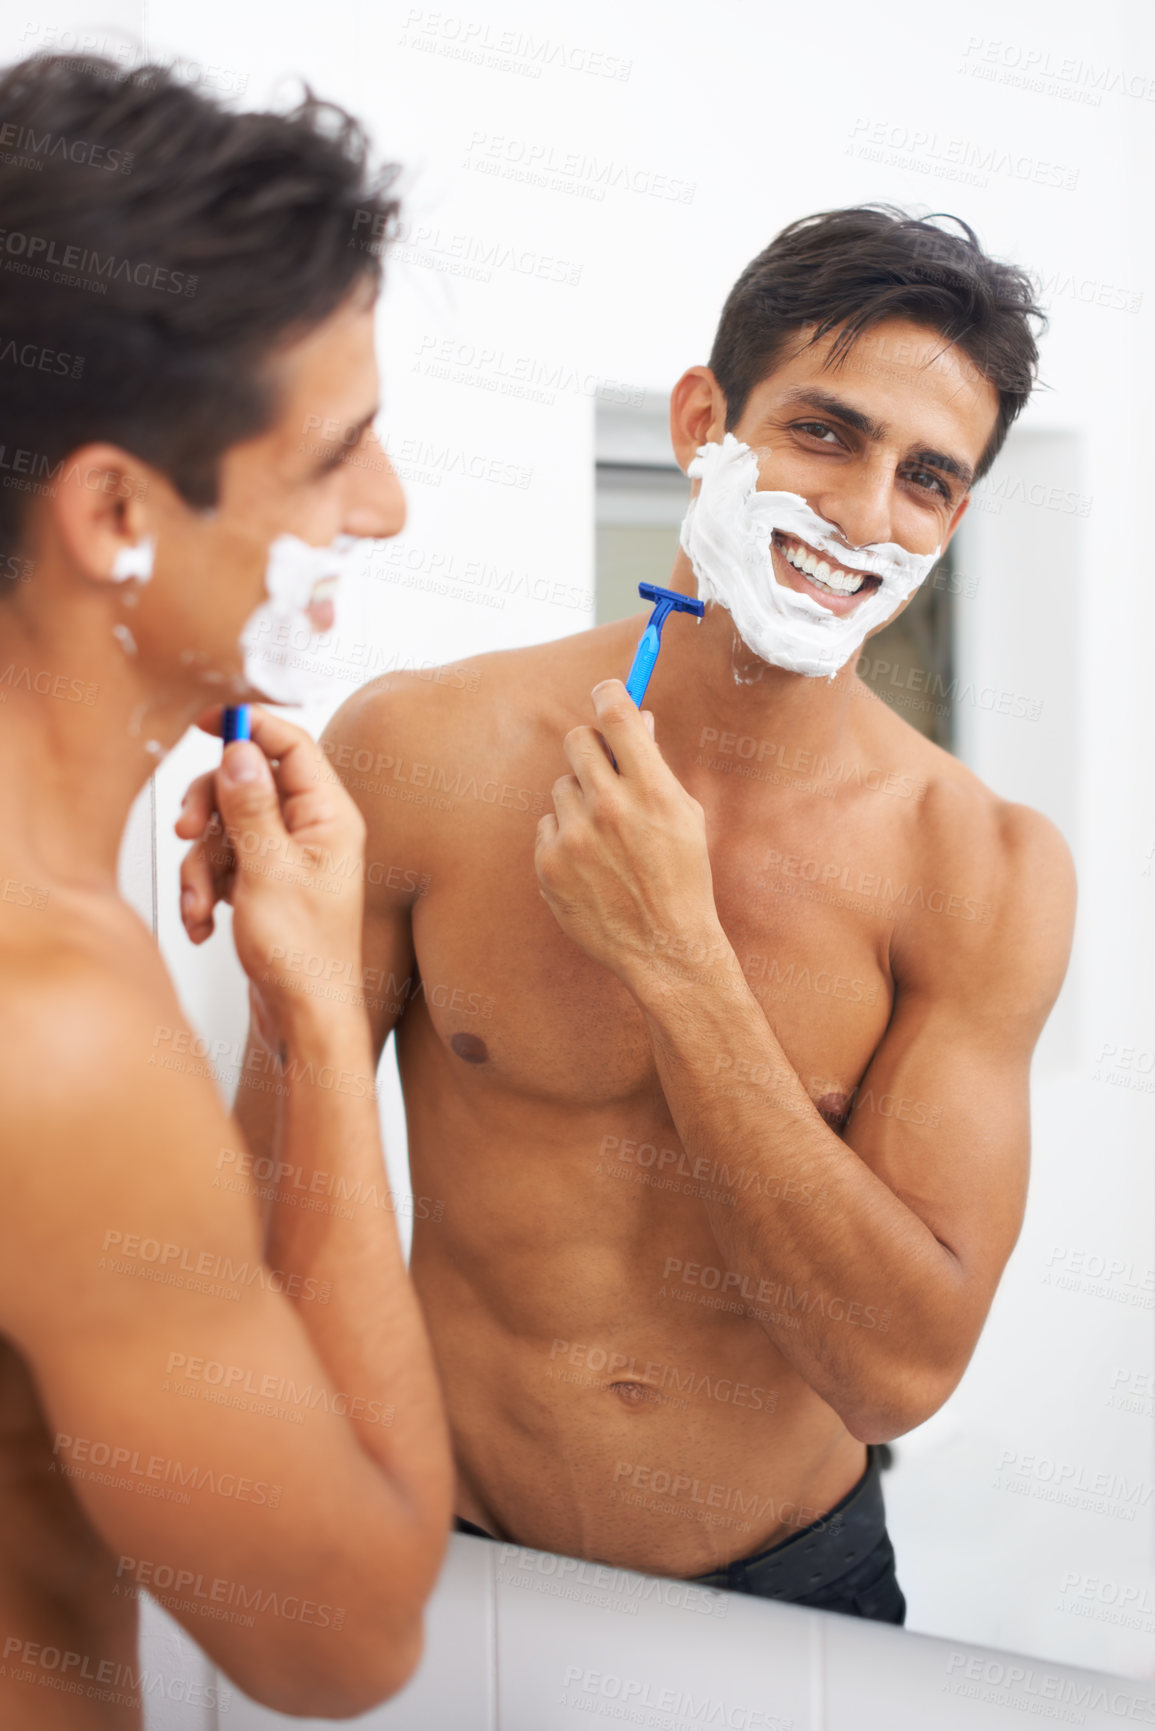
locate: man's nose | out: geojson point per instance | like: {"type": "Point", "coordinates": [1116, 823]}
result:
{"type": "Point", "coordinates": [374, 502]}
{"type": "Point", "coordinates": [860, 507]}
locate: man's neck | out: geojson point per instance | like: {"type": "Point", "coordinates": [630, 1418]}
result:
{"type": "Point", "coordinates": [708, 687]}
{"type": "Point", "coordinates": [82, 727]}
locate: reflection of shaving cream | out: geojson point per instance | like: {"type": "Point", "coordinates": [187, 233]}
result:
{"type": "Point", "coordinates": [275, 663]}
{"type": "Point", "coordinates": [134, 561]}
{"type": "Point", "coordinates": [726, 535]}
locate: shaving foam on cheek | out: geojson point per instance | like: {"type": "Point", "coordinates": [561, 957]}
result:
{"type": "Point", "coordinates": [726, 535]}
{"type": "Point", "coordinates": [279, 639]}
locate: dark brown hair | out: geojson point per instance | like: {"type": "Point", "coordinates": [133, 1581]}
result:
{"type": "Point", "coordinates": [164, 246]}
{"type": "Point", "coordinates": [846, 270]}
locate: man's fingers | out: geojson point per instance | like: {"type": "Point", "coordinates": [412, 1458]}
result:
{"type": "Point", "coordinates": [312, 797]}
{"type": "Point", "coordinates": [547, 833]}
{"type": "Point", "coordinates": [197, 807]}
{"type": "Point", "coordinates": [626, 733]}
{"type": "Point", "coordinates": [294, 755]}
{"type": "Point", "coordinates": [301, 766]}
{"type": "Point", "coordinates": [247, 801]}
{"type": "Point", "coordinates": [311, 794]}
{"type": "Point", "coordinates": [202, 885]}
{"type": "Point", "coordinates": [567, 795]}
{"type": "Point", "coordinates": [588, 757]}
{"type": "Point", "coordinates": [206, 871]}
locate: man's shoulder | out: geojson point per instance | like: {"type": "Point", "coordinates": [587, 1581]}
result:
{"type": "Point", "coordinates": [966, 823]}
{"type": "Point", "coordinates": [1001, 876]}
{"type": "Point", "coordinates": [94, 1118]}
{"type": "Point", "coordinates": [962, 821]}
{"type": "Point", "coordinates": [484, 700]}
{"type": "Point", "coordinates": [433, 755]}
{"type": "Point", "coordinates": [77, 1008]}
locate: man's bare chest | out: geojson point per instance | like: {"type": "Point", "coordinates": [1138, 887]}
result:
{"type": "Point", "coordinates": [510, 996]}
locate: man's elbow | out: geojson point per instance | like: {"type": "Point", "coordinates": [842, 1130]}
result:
{"type": "Point", "coordinates": [878, 1427]}
{"type": "Point", "coordinates": [386, 1672]}
{"type": "Point", "coordinates": [355, 1685]}
{"type": "Point", "coordinates": [883, 1414]}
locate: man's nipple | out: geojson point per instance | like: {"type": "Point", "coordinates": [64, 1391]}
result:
{"type": "Point", "coordinates": [470, 1047]}
{"type": "Point", "coordinates": [835, 1108]}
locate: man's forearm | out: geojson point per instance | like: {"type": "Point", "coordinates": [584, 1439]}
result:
{"type": "Point", "coordinates": [334, 1234]}
{"type": "Point", "coordinates": [256, 1103]}
{"type": "Point", "coordinates": [846, 1280]}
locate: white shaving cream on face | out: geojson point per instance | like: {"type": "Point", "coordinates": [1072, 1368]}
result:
{"type": "Point", "coordinates": [726, 535]}
{"type": "Point", "coordinates": [135, 561]}
{"type": "Point", "coordinates": [280, 640]}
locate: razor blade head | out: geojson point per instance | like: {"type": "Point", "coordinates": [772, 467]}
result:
{"type": "Point", "coordinates": [681, 603]}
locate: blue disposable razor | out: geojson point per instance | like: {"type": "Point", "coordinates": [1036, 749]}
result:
{"type": "Point", "coordinates": [666, 601]}
{"type": "Point", "coordinates": [236, 724]}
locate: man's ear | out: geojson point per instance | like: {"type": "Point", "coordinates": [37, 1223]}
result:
{"type": "Point", "coordinates": [101, 513]}
{"type": "Point", "coordinates": [697, 414]}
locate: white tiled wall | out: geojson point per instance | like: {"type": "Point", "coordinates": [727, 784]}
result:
{"type": "Point", "coordinates": [519, 1640]}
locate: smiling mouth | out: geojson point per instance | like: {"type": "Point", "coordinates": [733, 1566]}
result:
{"type": "Point", "coordinates": [821, 572]}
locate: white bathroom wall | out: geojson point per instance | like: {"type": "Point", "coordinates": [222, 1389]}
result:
{"type": "Point", "coordinates": [1057, 1393]}
{"type": "Point", "coordinates": [180, 1689]}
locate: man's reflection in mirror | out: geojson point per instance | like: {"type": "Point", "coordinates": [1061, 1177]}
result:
{"type": "Point", "coordinates": [716, 1075]}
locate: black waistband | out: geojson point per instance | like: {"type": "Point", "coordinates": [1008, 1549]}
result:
{"type": "Point", "coordinates": [461, 1525]}
{"type": "Point", "coordinates": [821, 1553]}
{"type": "Point", "coordinates": [807, 1561]}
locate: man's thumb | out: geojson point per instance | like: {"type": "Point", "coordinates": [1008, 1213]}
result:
{"type": "Point", "coordinates": [247, 798]}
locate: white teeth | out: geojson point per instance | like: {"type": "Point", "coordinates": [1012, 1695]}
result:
{"type": "Point", "coordinates": [838, 581]}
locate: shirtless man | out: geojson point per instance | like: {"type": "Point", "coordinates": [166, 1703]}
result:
{"type": "Point", "coordinates": [722, 1081]}
{"type": "Point", "coordinates": [251, 1429]}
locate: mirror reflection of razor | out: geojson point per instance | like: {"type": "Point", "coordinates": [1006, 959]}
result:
{"type": "Point", "coordinates": [666, 601]}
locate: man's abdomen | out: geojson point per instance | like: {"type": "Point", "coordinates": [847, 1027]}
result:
{"type": "Point", "coordinates": [601, 1415]}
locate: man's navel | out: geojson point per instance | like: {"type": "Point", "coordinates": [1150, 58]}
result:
{"type": "Point", "coordinates": [634, 1393]}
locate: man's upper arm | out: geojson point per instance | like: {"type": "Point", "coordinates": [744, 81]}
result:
{"type": "Point", "coordinates": [194, 1420]}
{"type": "Point", "coordinates": [942, 1113]}
{"type": "Point", "coordinates": [393, 882]}
{"type": "Point", "coordinates": [379, 726]}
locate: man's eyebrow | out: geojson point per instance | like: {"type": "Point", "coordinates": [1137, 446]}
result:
{"type": "Point", "coordinates": [351, 428]}
{"type": "Point", "coordinates": [949, 465]}
{"type": "Point", "coordinates": [828, 404]}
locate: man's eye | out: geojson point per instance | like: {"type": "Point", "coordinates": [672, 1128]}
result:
{"type": "Point", "coordinates": [817, 430]}
{"type": "Point", "coordinates": [929, 481]}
